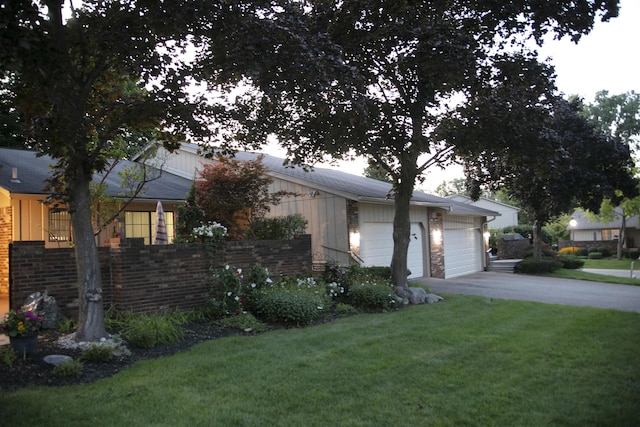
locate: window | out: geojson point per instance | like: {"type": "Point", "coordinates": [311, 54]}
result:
{"type": "Point", "coordinates": [59, 226]}
{"type": "Point", "coordinates": [143, 224]}
{"type": "Point", "coordinates": [610, 234]}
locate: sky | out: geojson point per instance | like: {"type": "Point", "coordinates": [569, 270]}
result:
{"type": "Point", "coordinates": [605, 59]}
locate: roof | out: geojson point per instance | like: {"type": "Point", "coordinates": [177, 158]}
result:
{"type": "Point", "coordinates": [351, 186]}
{"type": "Point", "coordinates": [466, 199]}
{"type": "Point", "coordinates": [32, 171]}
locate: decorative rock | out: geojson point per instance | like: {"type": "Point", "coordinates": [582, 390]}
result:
{"type": "Point", "coordinates": [56, 359]}
{"type": "Point", "coordinates": [431, 298]}
{"type": "Point", "coordinates": [418, 296]}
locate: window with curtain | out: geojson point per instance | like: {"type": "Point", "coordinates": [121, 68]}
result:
{"type": "Point", "coordinates": [143, 224]}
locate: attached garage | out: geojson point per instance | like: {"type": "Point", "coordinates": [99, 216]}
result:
{"type": "Point", "coordinates": [463, 246]}
{"type": "Point", "coordinates": [376, 246]}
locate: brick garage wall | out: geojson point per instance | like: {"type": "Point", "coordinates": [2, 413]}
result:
{"type": "Point", "coordinates": [145, 278]}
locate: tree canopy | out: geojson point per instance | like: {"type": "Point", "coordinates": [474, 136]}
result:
{"type": "Point", "coordinates": [388, 79]}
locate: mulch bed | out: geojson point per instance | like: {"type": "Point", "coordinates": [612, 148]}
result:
{"type": "Point", "coordinates": [33, 370]}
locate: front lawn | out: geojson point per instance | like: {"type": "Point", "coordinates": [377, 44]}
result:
{"type": "Point", "coordinates": [465, 361]}
{"type": "Point", "coordinates": [612, 263]}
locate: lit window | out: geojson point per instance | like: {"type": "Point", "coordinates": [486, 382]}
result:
{"type": "Point", "coordinates": [143, 224]}
{"type": "Point", "coordinates": [59, 226]}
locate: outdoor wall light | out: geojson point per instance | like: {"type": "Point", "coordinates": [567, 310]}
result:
{"type": "Point", "coordinates": [436, 236]}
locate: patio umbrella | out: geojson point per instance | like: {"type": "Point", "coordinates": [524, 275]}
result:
{"type": "Point", "coordinates": [161, 226]}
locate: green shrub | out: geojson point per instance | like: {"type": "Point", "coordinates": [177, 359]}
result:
{"type": "Point", "coordinates": [595, 255]}
{"type": "Point", "coordinates": [244, 322]}
{"type": "Point", "coordinates": [343, 309]}
{"type": "Point", "coordinates": [98, 353]}
{"type": "Point", "coordinates": [606, 253]}
{"type": "Point", "coordinates": [69, 368]}
{"type": "Point", "coordinates": [334, 272]}
{"type": "Point", "coordinates": [287, 306]}
{"type": "Point", "coordinates": [534, 266]}
{"type": "Point", "coordinates": [7, 355]}
{"type": "Point", "coordinates": [372, 296]}
{"type": "Point", "coordinates": [570, 262]}
{"type": "Point", "coordinates": [583, 252]}
{"type": "Point", "coordinates": [277, 228]}
{"type": "Point", "coordinates": [151, 330]}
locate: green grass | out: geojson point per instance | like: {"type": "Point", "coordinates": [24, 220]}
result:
{"type": "Point", "coordinates": [466, 361]}
{"type": "Point", "coordinates": [611, 263]}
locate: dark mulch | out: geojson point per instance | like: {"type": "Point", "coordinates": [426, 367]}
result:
{"type": "Point", "coordinates": [35, 371]}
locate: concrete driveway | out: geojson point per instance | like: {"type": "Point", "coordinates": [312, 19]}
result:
{"type": "Point", "coordinates": [539, 289]}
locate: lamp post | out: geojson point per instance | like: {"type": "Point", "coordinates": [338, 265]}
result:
{"type": "Point", "coordinates": [572, 225]}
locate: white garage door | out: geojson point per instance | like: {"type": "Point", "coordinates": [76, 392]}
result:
{"type": "Point", "coordinates": [462, 252]}
{"type": "Point", "coordinates": [376, 246]}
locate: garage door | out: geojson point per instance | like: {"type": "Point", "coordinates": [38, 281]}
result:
{"type": "Point", "coordinates": [376, 246]}
{"type": "Point", "coordinates": [462, 252]}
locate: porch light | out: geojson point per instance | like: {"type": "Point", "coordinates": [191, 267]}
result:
{"type": "Point", "coordinates": [437, 236]}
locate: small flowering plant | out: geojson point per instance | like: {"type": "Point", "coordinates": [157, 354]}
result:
{"type": "Point", "coordinates": [21, 323]}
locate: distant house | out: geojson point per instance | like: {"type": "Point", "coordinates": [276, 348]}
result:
{"type": "Point", "coordinates": [24, 215]}
{"type": "Point", "coordinates": [351, 217]}
{"type": "Point", "coordinates": [508, 214]}
{"type": "Point", "coordinates": [586, 230]}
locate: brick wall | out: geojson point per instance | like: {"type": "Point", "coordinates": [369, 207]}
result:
{"type": "Point", "coordinates": [145, 278]}
{"type": "Point", "coordinates": [512, 248]}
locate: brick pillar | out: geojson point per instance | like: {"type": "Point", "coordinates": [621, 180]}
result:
{"type": "Point", "coordinates": [6, 236]}
{"type": "Point", "coordinates": [436, 244]}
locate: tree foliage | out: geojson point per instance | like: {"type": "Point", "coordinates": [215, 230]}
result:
{"type": "Point", "coordinates": [385, 78]}
{"type": "Point", "coordinates": [234, 193]}
{"type": "Point", "coordinates": [77, 86]}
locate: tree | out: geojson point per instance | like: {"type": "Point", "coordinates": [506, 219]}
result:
{"type": "Point", "coordinates": [619, 116]}
{"type": "Point", "coordinates": [383, 78]}
{"type": "Point", "coordinates": [71, 79]}
{"type": "Point", "coordinates": [556, 163]}
{"type": "Point", "coordinates": [375, 171]}
{"type": "Point", "coordinates": [234, 193]}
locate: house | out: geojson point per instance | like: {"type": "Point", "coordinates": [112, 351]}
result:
{"type": "Point", "coordinates": [24, 216]}
{"type": "Point", "coordinates": [351, 217]}
{"type": "Point", "coordinates": [508, 214]}
{"type": "Point", "coordinates": [587, 230]}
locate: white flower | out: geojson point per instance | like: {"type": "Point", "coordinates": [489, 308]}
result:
{"type": "Point", "coordinates": [229, 294]}
{"type": "Point", "coordinates": [269, 280]}
{"type": "Point", "coordinates": [237, 298]}
{"type": "Point", "coordinates": [226, 267]}
{"type": "Point", "coordinates": [253, 285]}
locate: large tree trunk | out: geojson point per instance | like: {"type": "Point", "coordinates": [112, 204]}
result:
{"type": "Point", "coordinates": [537, 240]}
{"type": "Point", "coordinates": [91, 309]}
{"type": "Point", "coordinates": [401, 235]}
{"type": "Point", "coordinates": [621, 236]}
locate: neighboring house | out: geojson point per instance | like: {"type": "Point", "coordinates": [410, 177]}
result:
{"type": "Point", "coordinates": [351, 217]}
{"type": "Point", "coordinates": [586, 230]}
{"type": "Point", "coordinates": [508, 214]}
{"type": "Point", "coordinates": [24, 215]}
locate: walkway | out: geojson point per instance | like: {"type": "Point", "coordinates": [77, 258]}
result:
{"type": "Point", "coordinates": [548, 290]}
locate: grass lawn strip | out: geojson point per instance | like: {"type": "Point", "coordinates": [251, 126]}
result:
{"type": "Point", "coordinates": [466, 361]}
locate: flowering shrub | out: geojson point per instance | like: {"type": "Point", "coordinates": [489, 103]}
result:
{"type": "Point", "coordinates": [212, 231]}
{"type": "Point", "coordinates": [334, 272]}
{"type": "Point", "coordinates": [226, 298]}
{"type": "Point", "coordinates": [21, 323]}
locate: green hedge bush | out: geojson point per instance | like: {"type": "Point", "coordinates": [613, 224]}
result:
{"type": "Point", "coordinates": [570, 262]}
{"type": "Point", "coordinates": [534, 266]}
{"type": "Point", "coordinates": [372, 296]}
{"type": "Point", "coordinates": [595, 255]}
{"type": "Point", "coordinates": [287, 307]}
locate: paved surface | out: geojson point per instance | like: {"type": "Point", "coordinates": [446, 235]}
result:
{"type": "Point", "coordinates": [540, 289]}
